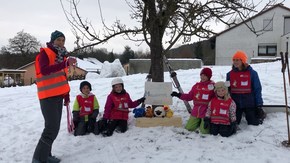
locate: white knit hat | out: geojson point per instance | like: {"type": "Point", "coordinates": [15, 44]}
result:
{"type": "Point", "coordinates": [222, 85]}
{"type": "Point", "coordinates": [117, 81]}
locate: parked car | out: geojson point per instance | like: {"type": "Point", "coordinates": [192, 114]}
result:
{"type": "Point", "coordinates": [8, 81]}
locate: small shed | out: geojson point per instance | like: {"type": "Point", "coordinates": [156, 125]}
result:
{"type": "Point", "coordinates": [11, 77]}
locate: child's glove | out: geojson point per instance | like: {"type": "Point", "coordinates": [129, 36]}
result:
{"type": "Point", "coordinates": [76, 116]}
{"type": "Point", "coordinates": [206, 122]}
{"type": "Point", "coordinates": [95, 114]}
{"type": "Point", "coordinates": [234, 126]}
{"type": "Point", "coordinates": [261, 115]}
{"type": "Point", "coordinates": [175, 94]}
{"type": "Point", "coordinates": [141, 100]}
{"type": "Point", "coordinates": [66, 99]}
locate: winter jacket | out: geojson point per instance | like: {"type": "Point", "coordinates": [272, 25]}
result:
{"type": "Point", "coordinates": [248, 100]}
{"type": "Point", "coordinates": [51, 77]}
{"type": "Point", "coordinates": [79, 104]}
{"type": "Point", "coordinates": [221, 111]}
{"type": "Point", "coordinates": [117, 106]}
{"type": "Point", "coordinates": [201, 95]}
{"type": "Point", "coordinates": [44, 62]}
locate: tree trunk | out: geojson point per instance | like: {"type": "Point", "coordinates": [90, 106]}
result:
{"type": "Point", "coordinates": [157, 70]}
{"type": "Point", "coordinates": [156, 48]}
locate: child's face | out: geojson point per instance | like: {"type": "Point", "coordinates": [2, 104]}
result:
{"type": "Point", "coordinates": [86, 90]}
{"type": "Point", "coordinates": [237, 63]}
{"type": "Point", "coordinates": [203, 78]}
{"type": "Point", "coordinates": [221, 92]}
{"type": "Point", "coordinates": [59, 42]}
{"type": "Point", "coordinates": [118, 88]}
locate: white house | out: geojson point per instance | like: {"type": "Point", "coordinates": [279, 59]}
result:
{"type": "Point", "coordinates": [273, 26]}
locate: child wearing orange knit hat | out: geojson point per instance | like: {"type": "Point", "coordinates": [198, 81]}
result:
{"type": "Point", "coordinates": [246, 90]}
{"type": "Point", "coordinates": [240, 55]}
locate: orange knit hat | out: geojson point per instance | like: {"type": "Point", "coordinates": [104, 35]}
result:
{"type": "Point", "coordinates": [241, 55]}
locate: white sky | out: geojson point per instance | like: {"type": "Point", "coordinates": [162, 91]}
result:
{"type": "Point", "coordinates": [39, 18]}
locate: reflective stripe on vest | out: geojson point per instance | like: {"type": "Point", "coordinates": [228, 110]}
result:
{"type": "Point", "coordinates": [53, 84]}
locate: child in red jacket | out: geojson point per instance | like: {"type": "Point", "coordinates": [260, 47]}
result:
{"type": "Point", "coordinates": [221, 113]}
{"type": "Point", "coordinates": [117, 108]}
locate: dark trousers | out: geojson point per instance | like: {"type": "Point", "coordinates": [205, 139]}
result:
{"type": "Point", "coordinates": [223, 130]}
{"type": "Point", "coordinates": [51, 109]}
{"type": "Point", "coordinates": [251, 115]}
{"type": "Point", "coordinates": [83, 127]}
{"type": "Point", "coordinates": [119, 125]}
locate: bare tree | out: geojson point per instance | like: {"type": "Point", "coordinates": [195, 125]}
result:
{"type": "Point", "coordinates": [163, 23]}
{"type": "Point", "coordinates": [23, 43]}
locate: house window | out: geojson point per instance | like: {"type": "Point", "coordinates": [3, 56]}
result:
{"type": "Point", "coordinates": [267, 50]}
{"type": "Point", "coordinates": [268, 24]}
{"type": "Point", "coordinates": [286, 25]}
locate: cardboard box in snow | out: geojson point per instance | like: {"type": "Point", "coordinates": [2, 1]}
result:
{"type": "Point", "coordinates": [175, 121]}
{"type": "Point", "coordinates": [158, 93]}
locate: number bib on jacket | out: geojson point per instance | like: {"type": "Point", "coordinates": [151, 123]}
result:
{"type": "Point", "coordinates": [86, 105]}
{"type": "Point", "coordinates": [203, 93]}
{"type": "Point", "coordinates": [220, 111]}
{"type": "Point", "coordinates": [240, 82]}
{"type": "Point", "coordinates": [121, 102]}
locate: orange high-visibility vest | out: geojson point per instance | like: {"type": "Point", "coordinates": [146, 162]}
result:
{"type": "Point", "coordinates": [53, 84]}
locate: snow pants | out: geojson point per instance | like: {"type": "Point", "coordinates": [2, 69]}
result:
{"type": "Point", "coordinates": [194, 123]}
{"type": "Point", "coordinates": [83, 127]}
{"type": "Point", "coordinates": [223, 130]}
{"type": "Point", "coordinates": [251, 115]}
{"type": "Point", "coordinates": [51, 109]}
{"type": "Point", "coordinates": [119, 125]}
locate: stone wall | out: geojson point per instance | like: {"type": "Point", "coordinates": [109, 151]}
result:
{"type": "Point", "coordinates": [143, 65]}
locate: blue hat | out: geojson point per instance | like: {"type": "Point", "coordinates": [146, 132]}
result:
{"type": "Point", "coordinates": [56, 34]}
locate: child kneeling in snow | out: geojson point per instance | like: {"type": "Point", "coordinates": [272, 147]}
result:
{"type": "Point", "coordinates": [117, 109]}
{"type": "Point", "coordinates": [85, 110]}
{"type": "Point", "coordinates": [201, 93]}
{"type": "Point", "coordinates": [221, 113]}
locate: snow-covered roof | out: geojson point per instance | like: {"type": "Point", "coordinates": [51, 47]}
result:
{"type": "Point", "coordinates": [88, 66]}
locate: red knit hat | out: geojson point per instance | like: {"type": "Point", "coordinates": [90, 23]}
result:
{"type": "Point", "coordinates": [241, 55]}
{"type": "Point", "coordinates": [207, 72]}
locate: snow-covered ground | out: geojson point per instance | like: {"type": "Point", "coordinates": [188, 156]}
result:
{"type": "Point", "coordinates": [21, 124]}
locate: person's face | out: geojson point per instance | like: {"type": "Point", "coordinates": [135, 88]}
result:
{"type": "Point", "coordinates": [221, 92]}
{"type": "Point", "coordinates": [118, 88]}
{"type": "Point", "coordinates": [86, 90]}
{"type": "Point", "coordinates": [59, 42]}
{"type": "Point", "coordinates": [203, 78]}
{"type": "Point", "coordinates": [237, 63]}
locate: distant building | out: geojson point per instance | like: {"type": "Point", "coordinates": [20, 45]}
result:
{"type": "Point", "coordinates": [11, 77]}
{"type": "Point", "coordinates": [273, 27]}
{"type": "Point", "coordinates": [77, 73]}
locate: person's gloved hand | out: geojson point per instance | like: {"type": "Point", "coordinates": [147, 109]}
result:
{"type": "Point", "coordinates": [66, 99]}
{"type": "Point", "coordinates": [206, 121]}
{"type": "Point", "coordinates": [175, 94]}
{"type": "Point", "coordinates": [95, 114]}
{"type": "Point", "coordinates": [141, 100]}
{"type": "Point", "coordinates": [71, 61]}
{"type": "Point", "coordinates": [261, 115]}
{"type": "Point", "coordinates": [234, 126]}
{"type": "Point", "coordinates": [76, 116]}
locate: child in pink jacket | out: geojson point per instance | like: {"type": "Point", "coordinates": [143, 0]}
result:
{"type": "Point", "coordinates": [117, 109]}
{"type": "Point", "coordinates": [201, 93]}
